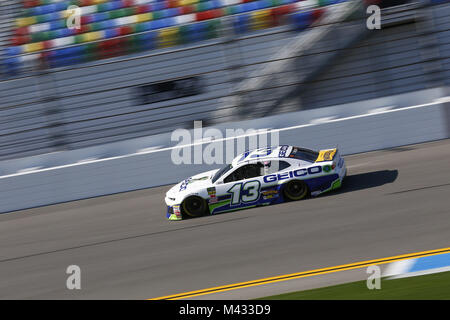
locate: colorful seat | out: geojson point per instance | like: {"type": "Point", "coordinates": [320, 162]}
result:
{"type": "Point", "coordinates": [111, 28]}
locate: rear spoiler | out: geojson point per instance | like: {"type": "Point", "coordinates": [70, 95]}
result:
{"type": "Point", "coordinates": [326, 155]}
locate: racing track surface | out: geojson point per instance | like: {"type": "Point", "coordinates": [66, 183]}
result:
{"type": "Point", "coordinates": [394, 202]}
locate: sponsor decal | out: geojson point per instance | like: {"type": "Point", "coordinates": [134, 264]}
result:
{"type": "Point", "coordinates": [213, 199]}
{"type": "Point", "coordinates": [292, 174]}
{"type": "Point", "coordinates": [326, 155]}
{"type": "Point", "coordinates": [269, 194]}
{"type": "Point", "coordinates": [293, 152]}
{"type": "Point", "coordinates": [176, 210]}
{"type": "Point", "coordinates": [185, 183]}
{"type": "Point", "coordinates": [212, 195]}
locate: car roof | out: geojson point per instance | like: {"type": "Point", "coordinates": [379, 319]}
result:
{"type": "Point", "coordinates": [269, 153]}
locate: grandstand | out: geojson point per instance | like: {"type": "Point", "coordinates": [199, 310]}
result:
{"type": "Point", "coordinates": [137, 68]}
{"type": "Point", "coordinates": [118, 27]}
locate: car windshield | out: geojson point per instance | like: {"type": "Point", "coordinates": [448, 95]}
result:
{"type": "Point", "coordinates": [221, 172]}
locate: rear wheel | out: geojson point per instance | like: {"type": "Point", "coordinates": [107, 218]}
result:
{"type": "Point", "coordinates": [295, 190]}
{"type": "Point", "coordinates": [194, 206]}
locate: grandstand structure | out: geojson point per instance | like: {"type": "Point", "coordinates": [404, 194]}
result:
{"type": "Point", "coordinates": [108, 28]}
{"type": "Point", "coordinates": [136, 68]}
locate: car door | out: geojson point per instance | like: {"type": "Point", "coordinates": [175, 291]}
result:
{"type": "Point", "coordinates": [242, 187]}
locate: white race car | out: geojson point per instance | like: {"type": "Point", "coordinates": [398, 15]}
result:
{"type": "Point", "coordinates": [255, 178]}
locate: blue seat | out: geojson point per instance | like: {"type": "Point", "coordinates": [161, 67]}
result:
{"type": "Point", "coordinates": [111, 33]}
{"type": "Point", "coordinates": [242, 23]}
{"type": "Point", "coordinates": [148, 40]}
{"type": "Point", "coordinates": [302, 20]}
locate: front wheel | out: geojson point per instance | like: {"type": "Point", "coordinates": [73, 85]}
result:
{"type": "Point", "coordinates": [295, 190]}
{"type": "Point", "coordinates": [194, 206]}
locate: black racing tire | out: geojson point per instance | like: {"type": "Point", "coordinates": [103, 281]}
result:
{"type": "Point", "coordinates": [194, 206]}
{"type": "Point", "coordinates": [295, 190]}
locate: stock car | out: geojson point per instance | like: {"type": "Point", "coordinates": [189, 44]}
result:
{"type": "Point", "coordinates": [255, 178]}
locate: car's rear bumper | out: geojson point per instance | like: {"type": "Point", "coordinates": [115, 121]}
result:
{"type": "Point", "coordinates": [328, 182]}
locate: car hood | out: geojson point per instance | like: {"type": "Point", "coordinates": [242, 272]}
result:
{"type": "Point", "coordinates": [201, 180]}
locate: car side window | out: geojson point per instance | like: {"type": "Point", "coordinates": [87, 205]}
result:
{"type": "Point", "coordinates": [245, 172]}
{"type": "Point", "coordinates": [283, 165]}
{"type": "Point", "coordinates": [274, 166]}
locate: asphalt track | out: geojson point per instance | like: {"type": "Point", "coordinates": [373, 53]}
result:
{"type": "Point", "coordinates": [394, 202]}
